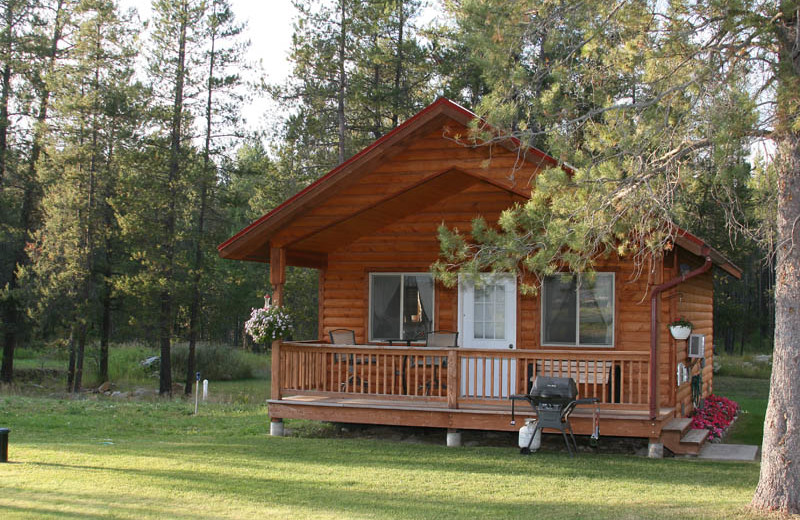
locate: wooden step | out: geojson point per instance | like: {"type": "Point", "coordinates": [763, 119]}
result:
{"type": "Point", "coordinates": [679, 424]}
{"type": "Point", "coordinates": [697, 437]}
{"type": "Point", "coordinates": [679, 443]}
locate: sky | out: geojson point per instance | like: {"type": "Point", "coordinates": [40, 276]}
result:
{"type": "Point", "coordinates": [269, 27]}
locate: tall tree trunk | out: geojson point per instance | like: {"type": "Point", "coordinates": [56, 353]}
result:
{"type": "Point", "coordinates": [398, 65]}
{"type": "Point", "coordinates": [165, 298]}
{"type": "Point", "coordinates": [105, 333]}
{"type": "Point", "coordinates": [194, 310]}
{"type": "Point", "coordinates": [340, 110]}
{"type": "Point", "coordinates": [12, 313]}
{"type": "Point", "coordinates": [108, 257]}
{"type": "Point", "coordinates": [71, 360]}
{"type": "Point", "coordinates": [5, 93]}
{"type": "Point", "coordinates": [77, 383]}
{"type": "Point", "coordinates": [779, 482]}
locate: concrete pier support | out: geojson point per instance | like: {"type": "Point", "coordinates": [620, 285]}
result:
{"type": "Point", "coordinates": [655, 449]}
{"type": "Point", "coordinates": [453, 438]}
{"type": "Point", "coordinates": [276, 427]}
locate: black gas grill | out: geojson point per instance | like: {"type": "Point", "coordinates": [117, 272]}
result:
{"type": "Point", "coordinates": [553, 399]}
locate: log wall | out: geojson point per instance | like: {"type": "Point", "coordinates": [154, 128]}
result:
{"type": "Point", "coordinates": [695, 301]}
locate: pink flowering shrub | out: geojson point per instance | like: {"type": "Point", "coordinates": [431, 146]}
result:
{"type": "Point", "coordinates": [268, 323]}
{"type": "Point", "coordinates": [715, 415]}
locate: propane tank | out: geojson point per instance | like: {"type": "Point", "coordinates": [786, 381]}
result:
{"type": "Point", "coordinates": [526, 432]}
{"type": "Point", "coordinates": [594, 440]}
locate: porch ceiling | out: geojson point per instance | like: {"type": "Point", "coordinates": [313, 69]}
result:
{"type": "Point", "coordinates": [366, 220]}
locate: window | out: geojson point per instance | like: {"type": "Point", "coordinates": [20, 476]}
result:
{"type": "Point", "coordinates": [400, 305]}
{"type": "Point", "coordinates": [578, 311]}
{"type": "Point", "coordinates": [490, 311]}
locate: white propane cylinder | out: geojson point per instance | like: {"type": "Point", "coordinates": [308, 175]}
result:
{"type": "Point", "coordinates": [526, 432]}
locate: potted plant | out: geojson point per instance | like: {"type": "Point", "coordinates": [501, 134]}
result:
{"type": "Point", "coordinates": [680, 328]}
{"type": "Point", "coordinates": [268, 323]}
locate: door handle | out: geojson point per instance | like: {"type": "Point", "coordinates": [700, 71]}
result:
{"type": "Point", "coordinates": [511, 345]}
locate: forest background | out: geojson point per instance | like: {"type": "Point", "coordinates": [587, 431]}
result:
{"type": "Point", "coordinates": [124, 161]}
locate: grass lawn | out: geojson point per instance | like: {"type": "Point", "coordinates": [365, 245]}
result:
{"type": "Point", "coordinates": [751, 394]}
{"type": "Point", "coordinates": [104, 458]}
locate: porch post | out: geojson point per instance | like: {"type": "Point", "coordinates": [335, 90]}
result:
{"type": "Point", "coordinates": [275, 389]}
{"type": "Point", "coordinates": [277, 278]}
{"type": "Point", "coordinates": [277, 273]}
{"type": "Point", "coordinates": [453, 383]}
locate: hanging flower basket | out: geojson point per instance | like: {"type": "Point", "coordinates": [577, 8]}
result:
{"type": "Point", "coordinates": [268, 323]}
{"type": "Point", "coordinates": [680, 328]}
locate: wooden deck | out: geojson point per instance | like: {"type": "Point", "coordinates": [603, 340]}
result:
{"type": "Point", "coordinates": [415, 386]}
{"type": "Point", "coordinates": [436, 414]}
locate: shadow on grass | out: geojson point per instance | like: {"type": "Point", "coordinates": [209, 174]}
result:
{"type": "Point", "coordinates": [357, 456]}
{"type": "Point", "coordinates": [347, 498]}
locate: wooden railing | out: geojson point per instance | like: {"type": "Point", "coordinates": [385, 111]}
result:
{"type": "Point", "coordinates": [616, 378]}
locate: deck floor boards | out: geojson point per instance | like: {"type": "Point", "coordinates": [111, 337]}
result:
{"type": "Point", "coordinates": [522, 409]}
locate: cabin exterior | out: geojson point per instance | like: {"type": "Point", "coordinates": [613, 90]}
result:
{"type": "Point", "coordinates": [370, 228]}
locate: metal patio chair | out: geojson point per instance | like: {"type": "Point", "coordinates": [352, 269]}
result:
{"type": "Point", "coordinates": [347, 337]}
{"type": "Point", "coordinates": [437, 339]}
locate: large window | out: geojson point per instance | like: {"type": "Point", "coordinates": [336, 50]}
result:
{"type": "Point", "coordinates": [578, 310]}
{"type": "Point", "coordinates": [400, 305]}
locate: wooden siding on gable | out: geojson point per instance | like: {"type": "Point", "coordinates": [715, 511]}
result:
{"type": "Point", "coordinates": [426, 157]}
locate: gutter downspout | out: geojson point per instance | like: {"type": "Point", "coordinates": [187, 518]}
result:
{"type": "Point", "coordinates": [657, 290]}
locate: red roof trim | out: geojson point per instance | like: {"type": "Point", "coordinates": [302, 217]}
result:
{"type": "Point", "coordinates": [718, 258]}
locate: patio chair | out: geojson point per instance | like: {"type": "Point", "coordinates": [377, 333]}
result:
{"type": "Point", "coordinates": [438, 339]}
{"type": "Point", "coordinates": [347, 337]}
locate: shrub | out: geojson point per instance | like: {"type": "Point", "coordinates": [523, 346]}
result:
{"type": "Point", "coordinates": [125, 363]}
{"type": "Point", "coordinates": [716, 414]}
{"type": "Point", "coordinates": [213, 361]}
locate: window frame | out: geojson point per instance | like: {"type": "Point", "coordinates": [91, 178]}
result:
{"type": "Point", "coordinates": [577, 343]}
{"type": "Point", "coordinates": [402, 275]}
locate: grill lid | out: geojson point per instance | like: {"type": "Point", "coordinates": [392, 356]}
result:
{"type": "Point", "coordinates": [556, 388]}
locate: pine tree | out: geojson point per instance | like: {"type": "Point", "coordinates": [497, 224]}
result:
{"type": "Point", "coordinates": [30, 48]}
{"type": "Point", "coordinates": [221, 111]}
{"type": "Point", "coordinates": [79, 174]}
{"type": "Point", "coordinates": [173, 69]}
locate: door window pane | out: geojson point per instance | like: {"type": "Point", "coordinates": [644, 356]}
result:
{"type": "Point", "coordinates": [490, 312]}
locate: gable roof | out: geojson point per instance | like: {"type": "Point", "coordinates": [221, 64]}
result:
{"type": "Point", "coordinates": [310, 244]}
{"type": "Point", "coordinates": [251, 242]}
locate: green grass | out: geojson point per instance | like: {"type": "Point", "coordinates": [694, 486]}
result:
{"type": "Point", "coordinates": [752, 395]}
{"type": "Point", "coordinates": [103, 458]}
{"type": "Point", "coordinates": [750, 366]}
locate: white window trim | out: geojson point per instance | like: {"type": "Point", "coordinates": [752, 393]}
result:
{"type": "Point", "coordinates": [577, 343]}
{"type": "Point", "coordinates": [402, 274]}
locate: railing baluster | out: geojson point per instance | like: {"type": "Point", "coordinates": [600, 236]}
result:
{"type": "Point", "coordinates": [489, 375]}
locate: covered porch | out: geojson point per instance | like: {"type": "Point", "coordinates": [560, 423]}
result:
{"type": "Point", "coordinates": [456, 388]}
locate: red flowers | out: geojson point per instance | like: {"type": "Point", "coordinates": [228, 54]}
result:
{"type": "Point", "coordinates": [715, 415]}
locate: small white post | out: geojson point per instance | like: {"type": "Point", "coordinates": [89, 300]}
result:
{"type": "Point", "coordinates": [196, 391]}
{"type": "Point", "coordinates": [205, 389]}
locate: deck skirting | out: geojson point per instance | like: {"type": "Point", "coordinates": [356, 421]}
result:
{"type": "Point", "coordinates": [616, 423]}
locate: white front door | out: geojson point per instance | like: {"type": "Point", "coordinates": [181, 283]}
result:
{"type": "Point", "coordinates": [488, 320]}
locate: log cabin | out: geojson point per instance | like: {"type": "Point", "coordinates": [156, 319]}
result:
{"type": "Point", "coordinates": [369, 227]}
